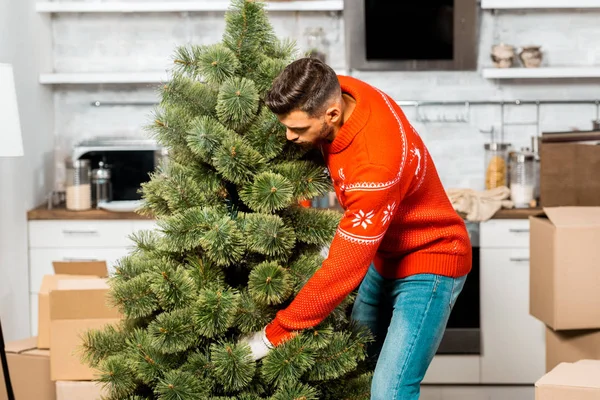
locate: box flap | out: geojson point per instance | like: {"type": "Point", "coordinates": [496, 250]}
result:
{"type": "Point", "coordinates": [584, 375]}
{"type": "Point", "coordinates": [81, 304]}
{"type": "Point", "coordinates": [573, 216]}
{"type": "Point", "coordinates": [19, 346]}
{"type": "Point", "coordinates": [38, 353]}
{"type": "Point", "coordinates": [49, 282]}
{"type": "Point", "coordinates": [83, 284]}
{"type": "Point", "coordinates": [95, 268]}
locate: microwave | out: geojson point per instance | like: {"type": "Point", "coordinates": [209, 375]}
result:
{"type": "Point", "coordinates": [131, 162]}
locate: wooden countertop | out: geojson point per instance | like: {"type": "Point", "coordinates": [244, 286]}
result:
{"type": "Point", "coordinates": [517, 213]}
{"type": "Point", "coordinates": [43, 213]}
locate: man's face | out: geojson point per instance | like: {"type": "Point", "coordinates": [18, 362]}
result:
{"type": "Point", "coordinates": [305, 130]}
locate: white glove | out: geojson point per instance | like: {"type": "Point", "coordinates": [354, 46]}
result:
{"type": "Point", "coordinates": [259, 344]}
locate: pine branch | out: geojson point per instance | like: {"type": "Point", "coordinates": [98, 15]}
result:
{"type": "Point", "coordinates": [284, 49]}
{"type": "Point", "coordinates": [304, 267]}
{"type": "Point", "coordinates": [172, 285]}
{"type": "Point", "coordinates": [237, 161]}
{"type": "Point", "coordinates": [252, 316]}
{"type": "Point", "coordinates": [169, 128]}
{"type": "Point", "coordinates": [298, 391]}
{"type": "Point", "coordinates": [314, 226]}
{"type": "Point", "coordinates": [309, 180]}
{"type": "Point", "coordinates": [198, 363]}
{"type": "Point", "coordinates": [134, 298]}
{"type": "Point", "coordinates": [285, 364]}
{"type": "Point", "coordinates": [193, 96]}
{"type": "Point", "coordinates": [237, 103]}
{"type": "Point", "coordinates": [205, 274]}
{"type": "Point", "coordinates": [319, 337]}
{"type": "Point", "coordinates": [270, 284]}
{"type": "Point", "coordinates": [118, 376]}
{"type": "Point", "coordinates": [269, 235]}
{"type": "Point", "coordinates": [98, 344]}
{"type": "Point", "coordinates": [186, 60]}
{"type": "Point", "coordinates": [179, 385]}
{"type": "Point", "coordinates": [173, 331]}
{"type": "Point", "coordinates": [130, 266]}
{"type": "Point", "coordinates": [268, 193]}
{"type": "Point", "coordinates": [148, 361]}
{"type": "Point", "coordinates": [267, 71]}
{"type": "Point", "coordinates": [267, 135]}
{"type": "Point", "coordinates": [217, 63]}
{"type": "Point", "coordinates": [206, 135]}
{"type": "Point", "coordinates": [154, 204]}
{"type": "Point", "coordinates": [234, 366]}
{"type": "Point", "coordinates": [185, 230]}
{"type": "Point", "coordinates": [215, 311]}
{"type": "Point", "coordinates": [146, 242]}
{"type": "Point", "coordinates": [358, 388]}
{"type": "Point", "coordinates": [223, 243]}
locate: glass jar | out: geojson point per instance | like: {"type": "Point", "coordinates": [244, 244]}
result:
{"type": "Point", "coordinates": [101, 186]}
{"type": "Point", "coordinates": [496, 161]}
{"type": "Point", "coordinates": [522, 178]}
{"type": "Point", "coordinates": [79, 190]}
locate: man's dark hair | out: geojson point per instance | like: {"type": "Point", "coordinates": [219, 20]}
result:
{"type": "Point", "coordinates": [306, 85]}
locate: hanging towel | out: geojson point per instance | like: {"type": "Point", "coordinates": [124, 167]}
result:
{"type": "Point", "coordinates": [479, 206]}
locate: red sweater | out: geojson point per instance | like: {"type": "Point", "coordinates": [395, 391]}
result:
{"type": "Point", "coordinates": [397, 213]}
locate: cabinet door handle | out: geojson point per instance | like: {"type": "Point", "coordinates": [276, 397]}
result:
{"type": "Point", "coordinates": [514, 230]}
{"type": "Point", "coordinates": [80, 232]}
{"type": "Point", "coordinates": [519, 259]}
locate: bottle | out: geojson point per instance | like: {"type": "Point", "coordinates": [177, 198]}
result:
{"type": "Point", "coordinates": [101, 186]}
{"type": "Point", "coordinates": [496, 171]}
{"type": "Point", "coordinates": [522, 178]}
{"type": "Point", "coordinates": [79, 191]}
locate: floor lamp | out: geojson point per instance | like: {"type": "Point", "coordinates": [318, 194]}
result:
{"type": "Point", "coordinates": [11, 145]}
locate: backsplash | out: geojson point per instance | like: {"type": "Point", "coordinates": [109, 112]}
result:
{"type": "Point", "coordinates": [145, 42]}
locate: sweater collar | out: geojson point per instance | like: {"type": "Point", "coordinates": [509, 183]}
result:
{"type": "Point", "coordinates": [358, 119]}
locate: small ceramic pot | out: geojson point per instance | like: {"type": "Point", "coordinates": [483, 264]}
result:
{"type": "Point", "coordinates": [531, 56]}
{"type": "Point", "coordinates": [503, 55]}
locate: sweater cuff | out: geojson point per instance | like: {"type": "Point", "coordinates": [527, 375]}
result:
{"type": "Point", "coordinates": [277, 334]}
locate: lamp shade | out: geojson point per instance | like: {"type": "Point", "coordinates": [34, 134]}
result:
{"type": "Point", "coordinates": [11, 143]}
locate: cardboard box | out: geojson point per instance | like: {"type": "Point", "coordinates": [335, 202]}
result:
{"type": "Point", "coordinates": [79, 390]}
{"type": "Point", "coordinates": [570, 381]}
{"type": "Point", "coordinates": [569, 174]}
{"type": "Point", "coordinates": [565, 267]}
{"type": "Point", "coordinates": [62, 270]}
{"type": "Point", "coordinates": [29, 370]}
{"type": "Point", "coordinates": [76, 306]}
{"type": "Point", "coordinates": [571, 346]}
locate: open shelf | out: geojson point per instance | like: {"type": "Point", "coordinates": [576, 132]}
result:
{"type": "Point", "coordinates": [178, 6]}
{"type": "Point", "coordinates": [541, 73]}
{"type": "Point", "coordinates": [540, 4]}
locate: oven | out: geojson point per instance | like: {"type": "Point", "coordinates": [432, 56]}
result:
{"type": "Point", "coordinates": [463, 332]}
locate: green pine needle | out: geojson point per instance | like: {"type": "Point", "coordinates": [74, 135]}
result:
{"type": "Point", "coordinates": [205, 273]}
{"type": "Point", "coordinates": [148, 361]}
{"type": "Point", "coordinates": [134, 298]}
{"type": "Point", "coordinates": [195, 97]}
{"type": "Point", "coordinates": [286, 363]}
{"type": "Point", "coordinates": [184, 230]}
{"type": "Point", "coordinates": [223, 243]}
{"type": "Point", "coordinates": [130, 266]}
{"type": "Point", "coordinates": [179, 385]}
{"type": "Point", "coordinates": [358, 388]}
{"type": "Point", "coordinates": [173, 331]}
{"type": "Point", "coordinates": [172, 285]}
{"type": "Point", "coordinates": [198, 363]}
{"type": "Point", "coordinates": [217, 63]}
{"type": "Point", "coordinates": [215, 311]}
{"type": "Point", "coordinates": [314, 226]}
{"type": "Point", "coordinates": [267, 135]}
{"type": "Point", "coordinates": [237, 102]}
{"type": "Point", "coordinates": [206, 135]}
{"type": "Point", "coordinates": [270, 284]}
{"type": "Point", "coordinates": [98, 344]}
{"type": "Point", "coordinates": [309, 180]}
{"type": "Point", "coordinates": [233, 365]}
{"type": "Point", "coordinates": [296, 392]}
{"type": "Point", "coordinates": [303, 268]}
{"type": "Point", "coordinates": [268, 193]}
{"type": "Point", "coordinates": [269, 235]}
{"type": "Point", "coordinates": [186, 60]}
{"type": "Point", "coordinates": [146, 241]}
{"type": "Point", "coordinates": [252, 316]}
{"type": "Point", "coordinates": [284, 49]}
{"type": "Point", "coordinates": [266, 73]}
{"type": "Point", "coordinates": [319, 337]}
{"type": "Point", "coordinates": [236, 160]}
{"type": "Point", "coordinates": [118, 376]}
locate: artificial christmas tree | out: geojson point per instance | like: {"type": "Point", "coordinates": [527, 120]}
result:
{"type": "Point", "coordinates": [233, 246]}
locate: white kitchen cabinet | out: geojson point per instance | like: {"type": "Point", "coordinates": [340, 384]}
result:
{"type": "Point", "coordinates": [513, 342]}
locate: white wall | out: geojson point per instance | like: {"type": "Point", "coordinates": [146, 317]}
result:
{"type": "Point", "coordinates": [24, 42]}
{"type": "Point", "coordinates": [144, 42]}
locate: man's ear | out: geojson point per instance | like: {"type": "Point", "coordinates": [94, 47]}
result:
{"type": "Point", "coordinates": [333, 114]}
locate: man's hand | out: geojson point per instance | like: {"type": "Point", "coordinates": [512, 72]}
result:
{"type": "Point", "coordinates": [259, 344]}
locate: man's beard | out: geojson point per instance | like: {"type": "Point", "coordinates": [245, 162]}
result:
{"type": "Point", "coordinates": [325, 133]}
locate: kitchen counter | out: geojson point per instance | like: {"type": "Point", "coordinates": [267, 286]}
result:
{"type": "Point", "coordinates": [43, 213]}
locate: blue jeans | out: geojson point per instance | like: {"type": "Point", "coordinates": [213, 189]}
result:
{"type": "Point", "coordinates": [408, 318]}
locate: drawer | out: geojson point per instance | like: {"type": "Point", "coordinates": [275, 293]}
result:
{"type": "Point", "coordinates": [40, 260]}
{"type": "Point", "coordinates": [90, 233]}
{"type": "Point", "coordinates": [508, 233]}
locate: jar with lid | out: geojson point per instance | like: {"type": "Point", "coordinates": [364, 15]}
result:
{"type": "Point", "coordinates": [496, 161]}
{"type": "Point", "coordinates": [101, 185]}
{"type": "Point", "coordinates": [522, 178]}
{"type": "Point", "coordinates": [79, 191]}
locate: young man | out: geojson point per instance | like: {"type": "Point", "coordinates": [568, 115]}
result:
{"type": "Point", "coordinates": [399, 235]}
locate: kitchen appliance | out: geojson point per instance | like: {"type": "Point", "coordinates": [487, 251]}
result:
{"type": "Point", "coordinates": [130, 160]}
{"type": "Point", "coordinates": [101, 186]}
{"type": "Point", "coordinates": [463, 331]}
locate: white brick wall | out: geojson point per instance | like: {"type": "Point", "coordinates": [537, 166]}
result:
{"type": "Point", "coordinates": [145, 42]}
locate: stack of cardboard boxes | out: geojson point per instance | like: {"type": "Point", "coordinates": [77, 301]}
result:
{"type": "Point", "coordinates": [50, 367]}
{"type": "Point", "coordinates": [565, 295]}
